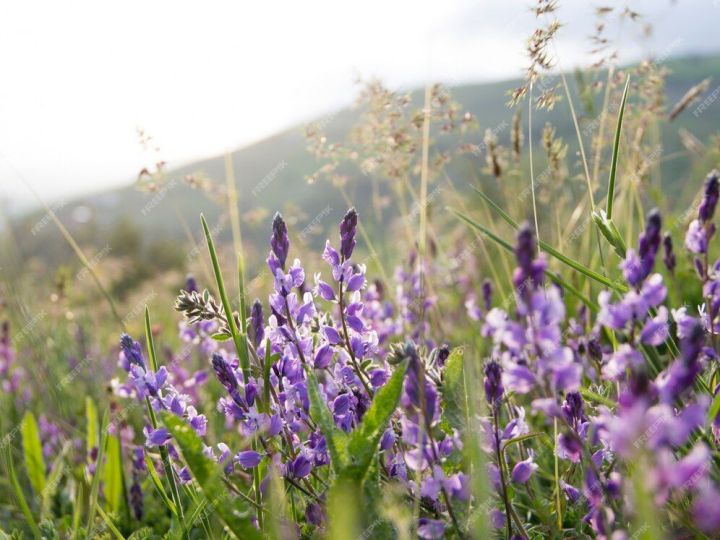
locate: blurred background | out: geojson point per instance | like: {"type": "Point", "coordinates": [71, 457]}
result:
{"type": "Point", "coordinates": [123, 125]}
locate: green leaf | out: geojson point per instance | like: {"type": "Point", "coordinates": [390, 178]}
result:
{"type": "Point", "coordinates": [616, 151]}
{"type": "Point", "coordinates": [91, 419]}
{"type": "Point", "coordinates": [208, 476]}
{"type": "Point", "coordinates": [32, 450]}
{"type": "Point", "coordinates": [714, 409]}
{"type": "Point", "coordinates": [335, 439]}
{"type": "Point", "coordinates": [572, 263]}
{"type": "Point", "coordinates": [113, 475]}
{"type": "Point", "coordinates": [110, 525]}
{"type": "Point", "coordinates": [366, 437]}
{"type": "Point", "coordinates": [453, 392]}
{"type": "Point", "coordinates": [221, 337]}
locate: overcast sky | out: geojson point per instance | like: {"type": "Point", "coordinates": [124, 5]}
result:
{"type": "Point", "coordinates": [78, 77]}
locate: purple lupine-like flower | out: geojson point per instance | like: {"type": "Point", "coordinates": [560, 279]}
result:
{"type": "Point", "coordinates": [529, 273]}
{"type": "Point", "coordinates": [487, 291]}
{"type": "Point", "coordinates": [224, 372]}
{"type": "Point", "coordinates": [156, 437]}
{"type": "Point", "coordinates": [493, 382]}
{"type": "Point", "coordinates": [706, 210]}
{"type": "Point", "coordinates": [348, 227]}
{"type": "Point", "coordinates": [669, 259]}
{"type": "Point", "coordinates": [525, 248]}
{"type": "Point", "coordinates": [572, 493]}
{"type": "Point", "coordinates": [247, 459]}
{"type": "Point", "coordinates": [523, 470]}
{"type": "Point", "coordinates": [279, 241]}
{"type": "Point", "coordinates": [698, 235]}
{"type": "Point", "coordinates": [573, 409]}
{"type": "Point", "coordinates": [649, 242]}
{"type": "Point", "coordinates": [314, 514]}
{"type": "Point", "coordinates": [132, 352]}
{"type": "Point", "coordinates": [257, 322]}
{"type": "Point", "coordinates": [705, 510]}
{"type": "Point", "coordinates": [300, 467]}
{"type": "Point", "coordinates": [191, 283]}
{"type": "Point", "coordinates": [569, 447]}
{"type": "Point", "coordinates": [442, 353]}
{"type": "Point", "coordinates": [430, 529]}
{"type": "Point", "coordinates": [682, 372]}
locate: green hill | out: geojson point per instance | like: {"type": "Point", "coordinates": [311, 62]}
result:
{"type": "Point", "coordinates": [270, 174]}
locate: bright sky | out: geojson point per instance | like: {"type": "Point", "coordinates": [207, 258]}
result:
{"type": "Point", "coordinates": [78, 77]}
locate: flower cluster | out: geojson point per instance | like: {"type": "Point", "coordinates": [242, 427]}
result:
{"type": "Point", "coordinates": [620, 384]}
{"type": "Point", "coordinates": [658, 415]}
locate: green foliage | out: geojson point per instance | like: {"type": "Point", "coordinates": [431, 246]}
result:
{"type": "Point", "coordinates": [113, 477]}
{"type": "Point", "coordinates": [365, 438]}
{"type": "Point", "coordinates": [32, 451]}
{"type": "Point", "coordinates": [231, 511]}
{"type": "Point", "coordinates": [453, 393]}
{"type": "Point", "coordinates": [335, 439]}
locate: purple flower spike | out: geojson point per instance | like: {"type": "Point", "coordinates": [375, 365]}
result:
{"type": "Point", "coordinates": [692, 344]}
{"type": "Point", "coordinates": [487, 291]}
{"type": "Point", "coordinates": [669, 259]}
{"type": "Point", "coordinates": [348, 226]}
{"type": "Point", "coordinates": [191, 283]}
{"type": "Point", "coordinates": [710, 200]}
{"type": "Point", "coordinates": [224, 372]}
{"type": "Point", "coordinates": [256, 323]}
{"type": "Point", "coordinates": [493, 382]}
{"type": "Point", "coordinates": [132, 351]}
{"type": "Point", "coordinates": [649, 242]}
{"type": "Point", "coordinates": [573, 408]}
{"type": "Point", "coordinates": [279, 241]}
{"type": "Point", "coordinates": [525, 249]}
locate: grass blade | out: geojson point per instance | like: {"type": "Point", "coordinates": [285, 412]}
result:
{"type": "Point", "coordinates": [158, 485]}
{"type": "Point", "coordinates": [110, 525]}
{"type": "Point", "coordinates": [95, 484]}
{"type": "Point", "coordinates": [22, 502]}
{"type": "Point", "coordinates": [238, 339]}
{"type": "Point", "coordinates": [616, 151]}
{"type": "Point", "coordinates": [572, 263]}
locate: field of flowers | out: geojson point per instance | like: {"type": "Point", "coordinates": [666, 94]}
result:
{"type": "Point", "coordinates": [543, 362]}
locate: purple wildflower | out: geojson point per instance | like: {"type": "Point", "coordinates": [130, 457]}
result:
{"type": "Point", "coordinates": [348, 225]}
{"type": "Point", "coordinates": [669, 259]}
{"type": "Point", "coordinates": [710, 198]}
{"type": "Point", "coordinates": [493, 382]}
{"type": "Point", "coordinates": [257, 329]}
{"type": "Point", "coordinates": [279, 241]}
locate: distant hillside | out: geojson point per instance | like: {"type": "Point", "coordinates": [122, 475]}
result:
{"type": "Point", "coordinates": [270, 173]}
